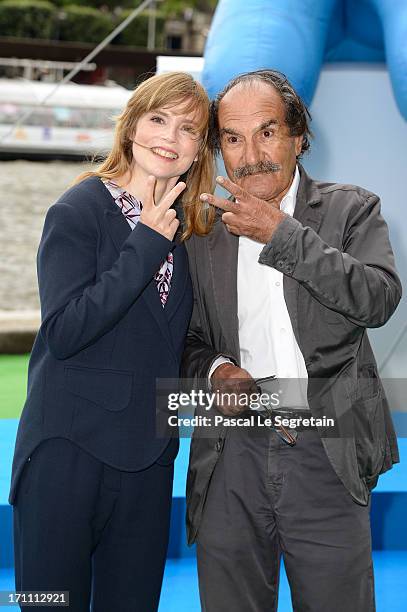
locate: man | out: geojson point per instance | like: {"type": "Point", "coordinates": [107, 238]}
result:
{"type": "Point", "coordinates": [287, 282]}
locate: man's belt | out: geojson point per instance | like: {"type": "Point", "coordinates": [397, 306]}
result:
{"type": "Point", "coordinates": [294, 416]}
{"type": "Point", "coordinates": [288, 417]}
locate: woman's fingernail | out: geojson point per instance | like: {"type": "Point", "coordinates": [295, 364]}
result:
{"type": "Point", "coordinates": [204, 197]}
{"type": "Point", "coordinates": [219, 179]}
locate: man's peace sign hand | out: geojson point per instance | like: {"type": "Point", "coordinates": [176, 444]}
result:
{"type": "Point", "coordinates": [247, 215]}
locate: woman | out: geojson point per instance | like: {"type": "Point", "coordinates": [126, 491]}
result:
{"type": "Point", "coordinates": [92, 484]}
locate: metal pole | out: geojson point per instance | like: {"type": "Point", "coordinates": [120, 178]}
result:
{"type": "Point", "coordinates": [81, 64]}
{"type": "Point", "coordinates": [151, 26]}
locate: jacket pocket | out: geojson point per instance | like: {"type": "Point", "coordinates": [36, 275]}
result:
{"type": "Point", "coordinates": [370, 435]}
{"type": "Point", "coordinates": [204, 456]}
{"type": "Point", "coordinates": [109, 389]}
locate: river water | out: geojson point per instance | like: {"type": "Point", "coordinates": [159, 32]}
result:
{"type": "Point", "coordinates": [28, 190]}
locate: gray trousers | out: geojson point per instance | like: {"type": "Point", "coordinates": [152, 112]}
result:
{"type": "Point", "coordinates": [267, 499]}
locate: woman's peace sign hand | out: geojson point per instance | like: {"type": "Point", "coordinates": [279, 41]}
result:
{"type": "Point", "coordinates": [161, 217]}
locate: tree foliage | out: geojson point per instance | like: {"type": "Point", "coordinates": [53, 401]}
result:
{"type": "Point", "coordinates": [89, 21]}
{"type": "Point", "coordinates": [26, 18]}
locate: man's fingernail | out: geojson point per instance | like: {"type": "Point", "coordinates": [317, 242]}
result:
{"type": "Point", "coordinates": [220, 179]}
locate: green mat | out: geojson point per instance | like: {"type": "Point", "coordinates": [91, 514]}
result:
{"type": "Point", "coordinates": [13, 385]}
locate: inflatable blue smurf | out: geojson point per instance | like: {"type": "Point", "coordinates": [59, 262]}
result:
{"type": "Point", "coordinates": [298, 36]}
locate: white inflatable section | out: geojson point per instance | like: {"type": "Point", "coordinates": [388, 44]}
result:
{"type": "Point", "coordinates": [169, 63]}
{"type": "Point", "coordinates": [360, 138]}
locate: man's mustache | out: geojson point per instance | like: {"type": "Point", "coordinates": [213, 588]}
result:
{"type": "Point", "coordinates": [261, 167]}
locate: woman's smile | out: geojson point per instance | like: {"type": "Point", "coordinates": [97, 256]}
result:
{"type": "Point", "coordinates": [165, 153]}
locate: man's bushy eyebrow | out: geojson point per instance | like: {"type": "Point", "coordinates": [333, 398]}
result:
{"type": "Point", "coordinates": [262, 126]}
{"type": "Point", "coordinates": [267, 124]}
{"type": "Point", "coordinates": [228, 131]}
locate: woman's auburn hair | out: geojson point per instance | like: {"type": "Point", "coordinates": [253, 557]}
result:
{"type": "Point", "coordinates": [167, 89]}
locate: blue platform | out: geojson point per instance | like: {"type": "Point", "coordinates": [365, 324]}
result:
{"type": "Point", "coordinates": [180, 588]}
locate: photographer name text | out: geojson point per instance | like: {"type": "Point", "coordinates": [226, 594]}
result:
{"type": "Point", "coordinates": [253, 420]}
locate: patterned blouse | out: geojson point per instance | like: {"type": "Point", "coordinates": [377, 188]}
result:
{"type": "Point", "coordinates": [131, 209]}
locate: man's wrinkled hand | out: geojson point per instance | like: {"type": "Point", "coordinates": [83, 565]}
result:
{"type": "Point", "coordinates": [236, 385]}
{"type": "Point", "coordinates": [247, 215]}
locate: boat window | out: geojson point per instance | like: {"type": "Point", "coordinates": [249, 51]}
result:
{"type": "Point", "coordinates": [59, 116]}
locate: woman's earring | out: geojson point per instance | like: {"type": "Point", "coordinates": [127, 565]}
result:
{"type": "Point", "coordinates": [196, 158]}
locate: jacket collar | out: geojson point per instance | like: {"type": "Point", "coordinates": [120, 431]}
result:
{"type": "Point", "coordinates": [223, 258]}
{"type": "Point", "coordinates": [308, 198]}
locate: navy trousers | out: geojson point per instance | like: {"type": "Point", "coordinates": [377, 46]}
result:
{"type": "Point", "coordinates": [97, 532]}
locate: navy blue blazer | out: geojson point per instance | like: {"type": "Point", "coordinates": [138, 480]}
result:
{"type": "Point", "coordinates": [104, 336]}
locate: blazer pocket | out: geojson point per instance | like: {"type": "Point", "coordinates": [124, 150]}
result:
{"type": "Point", "coordinates": [110, 389]}
{"type": "Point", "coordinates": [370, 435]}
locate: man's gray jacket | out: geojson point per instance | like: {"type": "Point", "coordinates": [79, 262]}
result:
{"type": "Point", "coordinates": [339, 279]}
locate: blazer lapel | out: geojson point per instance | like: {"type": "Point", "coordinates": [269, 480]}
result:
{"type": "Point", "coordinates": [117, 226]}
{"type": "Point", "coordinates": [223, 258]}
{"type": "Point", "coordinates": [152, 300]}
{"type": "Point", "coordinates": [307, 203]}
{"type": "Point", "coordinates": [178, 281]}
{"type": "Point", "coordinates": [306, 212]}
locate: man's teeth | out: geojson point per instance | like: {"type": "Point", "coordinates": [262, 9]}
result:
{"type": "Point", "coordinates": [165, 153]}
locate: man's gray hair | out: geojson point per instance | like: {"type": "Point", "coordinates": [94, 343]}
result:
{"type": "Point", "coordinates": [297, 115]}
